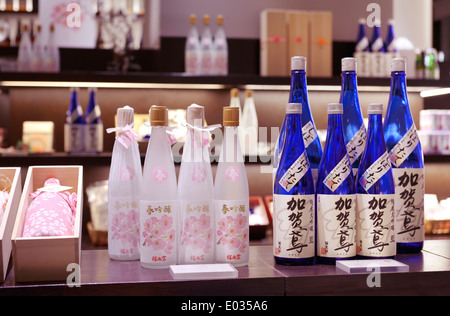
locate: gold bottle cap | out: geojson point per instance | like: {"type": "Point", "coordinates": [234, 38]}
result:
{"type": "Point", "coordinates": [220, 19]}
{"type": "Point", "coordinates": [206, 19]}
{"type": "Point", "coordinates": [193, 19]}
{"type": "Point", "coordinates": [249, 93]}
{"type": "Point", "coordinates": [231, 116]}
{"type": "Point", "coordinates": [158, 116]}
{"type": "Point", "coordinates": [234, 93]}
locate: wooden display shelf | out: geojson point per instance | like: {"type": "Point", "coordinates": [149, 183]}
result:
{"type": "Point", "coordinates": [429, 275]}
{"type": "Point", "coordinates": [16, 79]}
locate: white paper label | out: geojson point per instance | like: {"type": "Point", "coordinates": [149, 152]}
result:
{"type": "Point", "coordinates": [158, 227]}
{"type": "Point", "coordinates": [293, 235]}
{"type": "Point", "coordinates": [335, 178]}
{"type": "Point", "coordinates": [94, 138]}
{"type": "Point", "coordinates": [409, 204]}
{"type": "Point", "coordinates": [375, 225]}
{"type": "Point", "coordinates": [232, 231]}
{"type": "Point", "coordinates": [400, 152]}
{"type": "Point", "coordinates": [336, 226]}
{"type": "Point", "coordinates": [356, 145]}
{"type": "Point", "coordinates": [295, 172]}
{"type": "Point", "coordinates": [375, 171]}
{"type": "Point", "coordinates": [73, 137]}
{"type": "Point", "coordinates": [309, 134]}
{"type": "Point", "coordinates": [197, 232]}
{"type": "Point", "coordinates": [123, 231]}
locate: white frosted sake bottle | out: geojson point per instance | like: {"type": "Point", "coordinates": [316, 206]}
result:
{"type": "Point", "coordinates": [231, 193]}
{"type": "Point", "coordinates": [123, 191]}
{"type": "Point", "coordinates": [159, 206]}
{"type": "Point", "coordinates": [196, 194]}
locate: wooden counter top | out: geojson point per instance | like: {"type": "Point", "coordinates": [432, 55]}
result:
{"type": "Point", "coordinates": [429, 275]}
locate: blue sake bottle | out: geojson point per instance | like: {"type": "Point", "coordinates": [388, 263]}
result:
{"type": "Point", "coordinates": [94, 124]}
{"type": "Point", "coordinates": [375, 194]}
{"type": "Point", "coordinates": [74, 126]}
{"type": "Point", "coordinates": [405, 153]}
{"type": "Point", "coordinates": [352, 119]}
{"type": "Point", "coordinates": [362, 49]}
{"type": "Point", "coordinates": [293, 198]}
{"type": "Point", "coordinates": [299, 94]}
{"type": "Point", "coordinates": [389, 44]}
{"type": "Point", "coordinates": [377, 55]}
{"type": "Point", "coordinates": [336, 198]}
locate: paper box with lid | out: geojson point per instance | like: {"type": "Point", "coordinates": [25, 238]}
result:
{"type": "Point", "coordinates": [10, 182]}
{"type": "Point", "coordinates": [40, 259]}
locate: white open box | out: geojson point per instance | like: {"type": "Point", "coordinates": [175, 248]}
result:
{"type": "Point", "coordinates": [47, 258]}
{"type": "Point", "coordinates": [13, 185]}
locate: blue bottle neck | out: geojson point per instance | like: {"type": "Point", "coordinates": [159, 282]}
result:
{"type": "Point", "coordinates": [398, 85]}
{"type": "Point", "coordinates": [294, 135]}
{"type": "Point", "coordinates": [390, 36]}
{"type": "Point", "coordinates": [335, 136]}
{"type": "Point", "coordinates": [349, 81]}
{"type": "Point", "coordinates": [298, 86]}
{"type": "Point", "coordinates": [376, 33]}
{"type": "Point", "coordinates": [375, 139]}
{"type": "Point", "coordinates": [361, 32]}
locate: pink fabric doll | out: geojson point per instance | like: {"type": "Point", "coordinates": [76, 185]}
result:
{"type": "Point", "coordinates": [50, 214]}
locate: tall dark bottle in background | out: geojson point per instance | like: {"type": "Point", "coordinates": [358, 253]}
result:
{"type": "Point", "coordinates": [375, 194]}
{"type": "Point", "coordinates": [352, 119]}
{"type": "Point", "coordinates": [299, 94]}
{"type": "Point", "coordinates": [293, 198]}
{"type": "Point", "coordinates": [406, 156]}
{"type": "Point", "coordinates": [74, 126]}
{"type": "Point", "coordinates": [94, 125]}
{"type": "Point", "coordinates": [336, 199]}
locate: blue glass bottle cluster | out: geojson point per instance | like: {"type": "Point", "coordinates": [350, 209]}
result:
{"type": "Point", "coordinates": [363, 176]}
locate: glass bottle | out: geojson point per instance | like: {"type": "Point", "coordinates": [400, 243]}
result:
{"type": "Point", "coordinates": [94, 125]}
{"type": "Point", "coordinates": [389, 47]}
{"type": "Point", "coordinates": [158, 203]}
{"type": "Point", "coordinates": [221, 49]}
{"type": "Point", "coordinates": [207, 48]}
{"type": "Point", "coordinates": [236, 102]}
{"type": "Point", "coordinates": [231, 193]}
{"type": "Point", "coordinates": [299, 94]}
{"type": "Point", "coordinates": [293, 198]}
{"type": "Point", "coordinates": [192, 49]}
{"type": "Point", "coordinates": [375, 194]}
{"type": "Point", "coordinates": [353, 123]}
{"type": "Point", "coordinates": [37, 62]}
{"type": "Point", "coordinates": [124, 185]}
{"type": "Point", "coordinates": [25, 54]}
{"type": "Point", "coordinates": [406, 156]}
{"type": "Point", "coordinates": [52, 53]}
{"type": "Point", "coordinates": [249, 123]}
{"type": "Point", "coordinates": [74, 126]}
{"type": "Point", "coordinates": [196, 194]}
{"type": "Point", "coordinates": [336, 198]}
{"type": "Point", "coordinates": [362, 49]}
{"type": "Point", "coordinates": [377, 52]}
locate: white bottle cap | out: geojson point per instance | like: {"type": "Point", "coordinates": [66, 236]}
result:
{"type": "Point", "coordinates": [398, 64]}
{"type": "Point", "coordinates": [125, 116]}
{"type": "Point", "coordinates": [298, 63]}
{"type": "Point", "coordinates": [375, 108]}
{"type": "Point", "coordinates": [195, 115]}
{"type": "Point", "coordinates": [335, 108]}
{"type": "Point", "coordinates": [349, 64]}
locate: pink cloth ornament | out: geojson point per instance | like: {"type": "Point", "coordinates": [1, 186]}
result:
{"type": "Point", "coordinates": [50, 214]}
